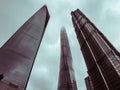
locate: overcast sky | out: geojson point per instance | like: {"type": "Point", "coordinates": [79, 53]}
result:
{"type": "Point", "coordinates": [105, 14]}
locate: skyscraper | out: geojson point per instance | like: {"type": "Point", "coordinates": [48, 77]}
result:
{"type": "Point", "coordinates": [89, 83]}
{"type": "Point", "coordinates": [66, 75]}
{"type": "Point", "coordinates": [102, 59]}
{"type": "Point", "coordinates": [17, 55]}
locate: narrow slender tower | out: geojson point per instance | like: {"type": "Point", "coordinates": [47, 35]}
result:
{"type": "Point", "coordinates": [66, 75]}
{"type": "Point", "coordinates": [17, 55]}
{"type": "Point", "coordinates": [102, 59]}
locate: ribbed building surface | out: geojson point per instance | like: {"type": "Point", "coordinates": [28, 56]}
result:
{"type": "Point", "coordinates": [89, 83]}
{"type": "Point", "coordinates": [17, 55]}
{"type": "Point", "coordinates": [66, 75]}
{"type": "Point", "coordinates": [102, 59]}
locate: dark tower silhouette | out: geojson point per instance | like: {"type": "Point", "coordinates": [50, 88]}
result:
{"type": "Point", "coordinates": [17, 55]}
{"type": "Point", "coordinates": [66, 75]}
{"type": "Point", "coordinates": [89, 83]}
{"type": "Point", "coordinates": [102, 59]}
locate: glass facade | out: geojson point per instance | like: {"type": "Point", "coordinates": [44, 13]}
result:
{"type": "Point", "coordinates": [100, 56]}
{"type": "Point", "coordinates": [66, 74]}
{"type": "Point", "coordinates": [17, 55]}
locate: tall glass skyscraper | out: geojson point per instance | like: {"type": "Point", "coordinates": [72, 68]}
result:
{"type": "Point", "coordinates": [17, 55]}
{"type": "Point", "coordinates": [102, 59]}
{"type": "Point", "coordinates": [66, 75]}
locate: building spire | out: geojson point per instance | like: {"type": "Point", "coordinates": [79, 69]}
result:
{"type": "Point", "coordinates": [66, 75]}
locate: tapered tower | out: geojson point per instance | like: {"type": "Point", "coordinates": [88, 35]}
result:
{"type": "Point", "coordinates": [102, 59]}
{"type": "Point", "coordinates": [17, 55]}
{"type": "Point", "coordinates": [66, 75]}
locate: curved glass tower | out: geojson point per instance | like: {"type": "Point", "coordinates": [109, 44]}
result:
{"type": "Point", "coordinates": [17, 55]}
{"type": "Point", "coordinates": [66, 75]}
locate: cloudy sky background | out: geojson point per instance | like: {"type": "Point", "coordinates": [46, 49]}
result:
{"type": "Point", "coordinates": [105, 14]}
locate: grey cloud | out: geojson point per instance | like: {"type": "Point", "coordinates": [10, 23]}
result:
{"type": "Point", "coordinates": [16, 12]}
{"type": "Point", "coordinates": [93, 9]}
{"type": "Point", "coordinates": [42, 83]}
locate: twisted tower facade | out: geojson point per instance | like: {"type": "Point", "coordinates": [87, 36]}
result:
{"type": "Point", "coordinates": [66, 75]}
